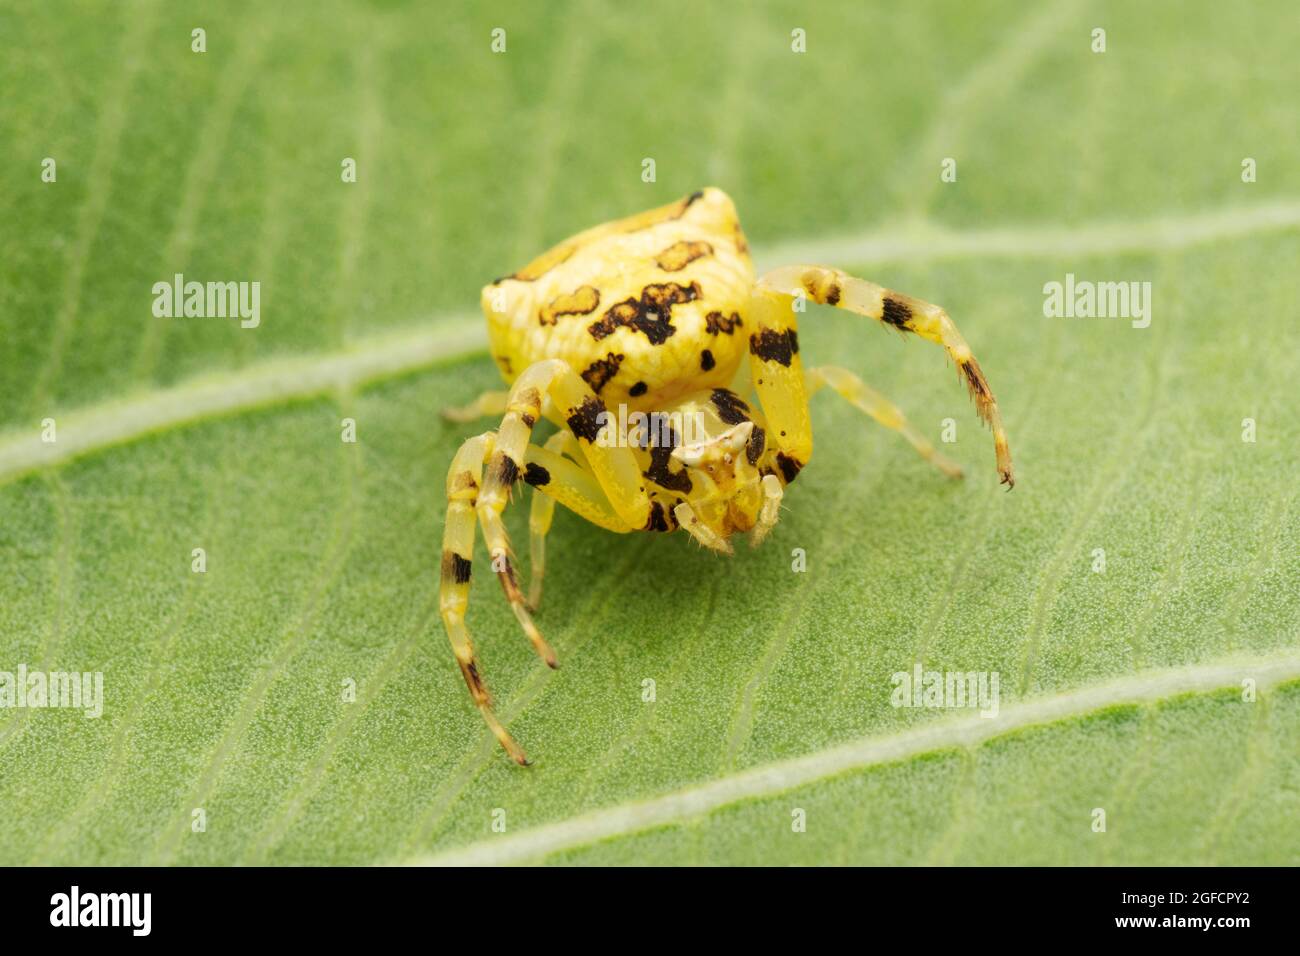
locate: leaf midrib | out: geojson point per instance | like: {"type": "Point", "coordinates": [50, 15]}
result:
{"type": "Point", "coordinates": [98, 426]}
{"type": "Point", "coordinates": [774, 778]}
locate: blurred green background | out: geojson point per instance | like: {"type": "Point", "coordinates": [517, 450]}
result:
{"type": "Point", "coordinates": [224, 688]}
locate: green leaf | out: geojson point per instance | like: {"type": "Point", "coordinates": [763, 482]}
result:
{"type": "Point", "coordinates": [1164, 691]}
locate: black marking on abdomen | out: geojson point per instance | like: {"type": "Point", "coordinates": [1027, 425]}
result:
{"type": "Point", "coordinates": [455, 568]}
{"type": "Point", "coordinates": [707, 361]}
{"type": "Point", "coordinates": [731, 408]}
{"type": "Point", "coordinates": [584, 421]}
{"type": "Point", "coordinates": [536, 475]}
{"type": "Point", "coordinates": [716, 322]}
{"type": "Point", "coordinates": [774, 345]}
{"type": "Point", "coordinates": [681, 254]}
{"type": "Point", "coordinates": [599, 372]}
{"type": "Point", "coordinates": [638, 389]}
{"type": "Point", "coordinates": [651, 314]}
{"type": "Point", "coordinates": [581, 301]}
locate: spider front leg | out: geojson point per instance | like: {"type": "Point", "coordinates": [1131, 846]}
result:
{"type": "Point", "coordinates": [775, 345]}
{"type": "Point", "coordinates": [577, 408]}
{"type": "Point", "coordinates": [463, 479]}
{"type": "Point", "coordinates": [614, 468]}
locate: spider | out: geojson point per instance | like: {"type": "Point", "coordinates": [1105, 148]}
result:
{"type": "Point", "coordinates": [652, 316]}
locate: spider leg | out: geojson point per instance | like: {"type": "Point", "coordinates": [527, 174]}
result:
{"type": "Point", "coordinates": [776, 373]}
{"type": "Point", "coordinates": [556, 478]}
{"type": "Point", "coordinates": [491, 403]}
{"type": "Point", "coordinates": [700, 531]}
{"type": "Point", "coordinates": [579, 410]}
{"type": "Point", "coordinates": [615, 469]}
{"type": "Point", "coordinates": [560, 480]}
{"type": "Point", "coordinates": [773, 491]}
{"type": "Point", "coordinates": [540, 514]}
{"type": "Point", "coordinates": [775, 345]}
{"type": "Point", "coordinates": [463, 479]}
{"type": "Point", "coordinates": [865, 398]}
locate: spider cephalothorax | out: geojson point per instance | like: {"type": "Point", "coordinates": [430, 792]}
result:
{"type": "Point", "coordinates": [630, 338]}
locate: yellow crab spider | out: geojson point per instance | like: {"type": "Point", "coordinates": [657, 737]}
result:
{"type": "Point", "coordinates": [628, 337]}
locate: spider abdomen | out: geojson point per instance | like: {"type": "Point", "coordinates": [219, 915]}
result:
{"type": "Point", "coordinates": [645, 308]}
